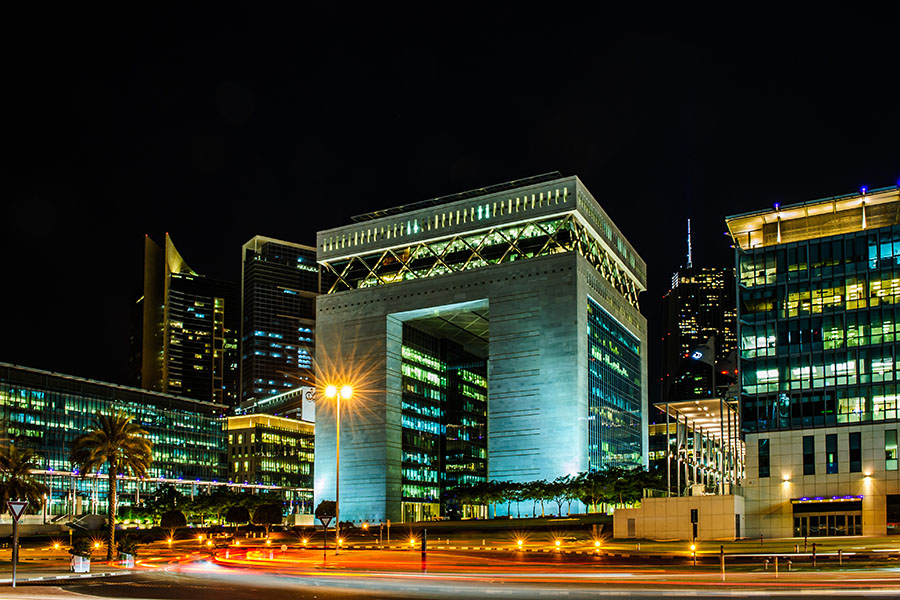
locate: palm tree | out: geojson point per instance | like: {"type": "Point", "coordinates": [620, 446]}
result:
{"type": "Point", "coordinates": [16, 480]}
{"type": "Point", "coordinates": [120, 444]}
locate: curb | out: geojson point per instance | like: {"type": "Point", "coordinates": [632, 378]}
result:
{"type": "Point", "coordinates": [63, 577]}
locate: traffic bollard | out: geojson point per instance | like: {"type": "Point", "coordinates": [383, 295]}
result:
{"type": "Point", "coordinates": [766, 565]}
{"type": "Point", "coordinates": [796, 548]}
{"type": "Point", "coordinates": [789, 564]}
{"type": "Point", "coordinates": [840, 558]}
{"type": "Point", "coordinates": [760, 539]}
{"type": "Point", "coordinates": [722, 560]}
{"type": "Point", "coordinates": [776, 567]}
{"type": "Point", "coordinates": [814, 555]}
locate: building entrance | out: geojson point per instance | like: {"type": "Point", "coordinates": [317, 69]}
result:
{"type": "Point", "coordinates": [819, 518]}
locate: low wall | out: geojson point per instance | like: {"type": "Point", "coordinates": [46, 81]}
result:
{"type": "Point", "coordinates": [718, 518]}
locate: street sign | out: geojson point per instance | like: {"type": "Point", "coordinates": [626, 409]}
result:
{"type": "Point", "coordinates": [16, 508]}
{"type": "Point", "coordinates": [325, 521]}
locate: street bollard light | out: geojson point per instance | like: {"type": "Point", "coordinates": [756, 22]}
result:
{"type": "Point", "coordinates": [776, 567]}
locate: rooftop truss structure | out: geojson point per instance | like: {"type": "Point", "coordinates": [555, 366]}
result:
{"type": "Point", "coordinates": [471, 250]}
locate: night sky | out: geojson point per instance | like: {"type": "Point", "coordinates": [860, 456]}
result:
{"type": "Point", "coordinates": [218, 124]}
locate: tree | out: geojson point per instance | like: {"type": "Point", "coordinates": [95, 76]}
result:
{"type": "Point", "coordinates": [172, 520]}
{"type": "Point", "coordinates": [557, 492]}
{"type": "Point", "coordinates": [120, 444]}
{"type": "Point", "coordinates": [237, 514]}
{"type": "Point", "coordinates": [268, 515]}
{"type": "Point", "coordinates": [326, 508]}
{"type": "Point", "coordinates": [16, 480]}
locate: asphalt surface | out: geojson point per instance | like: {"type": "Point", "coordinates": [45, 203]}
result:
{"type": "Point", "coordinates": [189, 571]}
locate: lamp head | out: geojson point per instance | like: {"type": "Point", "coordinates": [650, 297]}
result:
{"type": "Point", "coordinates": [331, 391]}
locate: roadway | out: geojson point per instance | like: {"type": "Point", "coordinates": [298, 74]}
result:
{"type": "Point", "coordinates": [187, 572]}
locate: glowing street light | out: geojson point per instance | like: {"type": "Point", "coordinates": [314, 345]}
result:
{"type": "Point", "coordinates": [345, 392]}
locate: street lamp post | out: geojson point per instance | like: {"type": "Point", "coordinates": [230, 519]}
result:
{"type": "Point", "coordinates": [345, 392]}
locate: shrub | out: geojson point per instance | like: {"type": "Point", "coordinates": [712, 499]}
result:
{"type": "Point", "coordinates": [128, 544]}
{"type": "Point", "coordinates": [82, 546]}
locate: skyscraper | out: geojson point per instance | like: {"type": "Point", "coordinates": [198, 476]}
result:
{"type": "Point", "coordinates": [186, 345]}
{"type": "Point", "coordinates": [509, 312]}
{"type": "Point", "coordinates": [699, 306]}
{"type": "Point", "coordinates": [279, 285]}
{"type": "Point", "coordinates": [819, 302]}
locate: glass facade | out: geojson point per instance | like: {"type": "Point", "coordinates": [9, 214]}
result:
{"type": "Point", "coordinates": [46, 412]}
{"type": "Point", "coordinates": [280, 284]}
{"type": "Point", "coordinates": [614, 401]}
{"type": "Point", "coordinates": [444, 420]}
{"type": "Point", "coordinates": [820, 321]}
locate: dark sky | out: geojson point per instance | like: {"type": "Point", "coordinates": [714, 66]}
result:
{"type": "Point", "coordinates": [216, 124]}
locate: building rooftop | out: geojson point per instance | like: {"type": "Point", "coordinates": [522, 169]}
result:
{"type": "Point", "coordinates": [72, 384]}
{"type": "Point", "coordinates": [491, 189]}
{"type": "Point", "coordinates": [850, 213]}
{"type": "Point", "coordinates": [249, 421]}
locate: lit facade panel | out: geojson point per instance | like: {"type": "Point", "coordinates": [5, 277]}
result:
{"type": "Point", "coordinates": [817, 287]}
{"type": "Point", "coordinates": [510, 271]}
{"type": "Point", "coordinates": [280, 282]}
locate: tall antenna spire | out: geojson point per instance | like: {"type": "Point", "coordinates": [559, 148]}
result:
{"type": "Point", "coordinates": [689, 257]}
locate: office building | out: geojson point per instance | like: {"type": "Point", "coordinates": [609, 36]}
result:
{"type": "Point", "coordinates": [279, 285]}
{"type": "Point", "coordinates": [819, 314]}
{"type": "Point", "coordinates": [270, 450]}
{"type": "Point", "coordinates": [186, 343]}
{"type": "Point", "coordinates": [518, 302]}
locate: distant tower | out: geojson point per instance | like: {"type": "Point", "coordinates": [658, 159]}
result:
{"type": "Point", "coordinates": [279, 285]}
{"type": "Point", "coordinates": [186, 343]}
{"type": "Point", "coordinates": [700, 305]}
